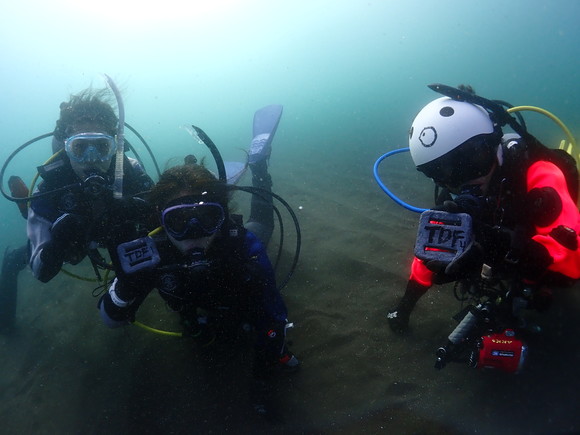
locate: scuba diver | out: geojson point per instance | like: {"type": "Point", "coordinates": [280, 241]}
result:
{"type": "Point", "coordinates": [208, 267]}
{"type": "Point", "coordinates": [72, 209]}
{"type": "Point", "coordinates": [510, 200]}
{"type": "Point", "coordinates": [64, 227]}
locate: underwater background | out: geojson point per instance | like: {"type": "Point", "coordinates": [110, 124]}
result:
{"type": "Point", "coordinates": [351, 76]}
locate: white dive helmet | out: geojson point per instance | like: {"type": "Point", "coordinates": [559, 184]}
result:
{"type": "Point", "coordinates": [443, 125]}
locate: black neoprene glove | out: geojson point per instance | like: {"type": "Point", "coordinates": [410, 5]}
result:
{"type": "Point", "coordinates": [465, 262]}
{"type": "Point", "coordinates": [67, 244]}
{"type": "Point", "coordinates": [69, 235]}
{"type": "Point", "coordinates": [464, 203]}
{"type": "Point", "coordinates": [461, 266]}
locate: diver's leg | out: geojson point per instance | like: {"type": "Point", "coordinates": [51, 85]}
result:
{"type": "Point", "coordinates": [261, 221]}
{"type": "Point", "coordinates": [14, 261]}
{"type": "Point", "coordinates": [399, 316]}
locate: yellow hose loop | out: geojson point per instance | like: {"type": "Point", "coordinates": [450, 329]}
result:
{"type": "Point", "coordinates": [157, 331]}
{"type": "Point", "coordinates": [566, 146]}
{"type": "Point", "coordinates": [82, 278]}
{"type": "Point", "coordinates": [106, 277]}
{"type": "Point", "coordinates": [155, 231]}
{"type": "Point", "coordinates": [549, 115]}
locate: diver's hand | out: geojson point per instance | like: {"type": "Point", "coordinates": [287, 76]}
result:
{"type": "Point", "coordinates": [69, 236]}
{"type": "Point", "coordinates": [463, 264]}
{"type": "Point", "coordinates": [67, 243]}
{"type": "Point", "coordinates": [464, 203]}
{"type": "Point", "coordinates": [448, 206]}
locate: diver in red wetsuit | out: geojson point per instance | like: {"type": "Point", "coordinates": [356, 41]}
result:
{"type": "Point", "coordinates": [520, 194]}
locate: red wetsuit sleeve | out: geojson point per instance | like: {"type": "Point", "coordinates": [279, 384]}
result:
{"type": "Point", "coordinates": [566, 261]}
{"type": "Point", "coordinates": [420, 273]}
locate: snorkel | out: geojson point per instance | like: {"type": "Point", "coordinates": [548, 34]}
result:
{"type": "Point", "coordinates": [202, 138]}
{"type": "Point", "coordinates": [118, 183]}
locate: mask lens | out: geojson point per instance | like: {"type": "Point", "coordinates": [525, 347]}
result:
{"type": "Point", "coordinates": [467, 162]}
{"type": "Point", "coordinates": [192, 221]}
{"type": "Point", "coordinates": [176, 220]}
{"type": "Point", "coordinates": [90, 147]}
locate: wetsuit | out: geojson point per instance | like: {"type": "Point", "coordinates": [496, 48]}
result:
{"type": "Point", "coordinates": [234, 284]}
{"type": "Point", "coordinates": [528, 228]}
{"type": "Point", "coordinates": [545, 218]}
{"type": "Point", "coordinates": [80, 213]}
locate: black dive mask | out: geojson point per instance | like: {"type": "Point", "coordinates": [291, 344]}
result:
{"type": "Point", "coordinates": [470, 160]}
{"type": "Point", "coordinates": [191, 218]}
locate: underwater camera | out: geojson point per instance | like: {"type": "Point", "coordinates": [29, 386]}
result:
{"type": "Point", "coordinates": [502, 351]}
{"type": "Point", "coordinates": [475, 341]}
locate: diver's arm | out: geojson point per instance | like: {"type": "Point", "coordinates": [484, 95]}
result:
{"type": "Point", "coordinates": [119, 305]}
{"type": "Point", "coordinates": [556, 218]}
{"type": "Point", "coordinates": [38, 230]}
{"type": "Point", "coordinates": [53, 243]}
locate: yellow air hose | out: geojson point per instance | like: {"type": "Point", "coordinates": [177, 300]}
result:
{"type": "Point", "coordinates": [157, 331]}
{"type": "Point", "coordinates": [569, 147]}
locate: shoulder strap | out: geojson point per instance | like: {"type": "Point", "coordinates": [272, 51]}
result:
{"type": "Point", "coordinates": [560, 158]}
{"type": "Point", "coordinates": [519, 155]}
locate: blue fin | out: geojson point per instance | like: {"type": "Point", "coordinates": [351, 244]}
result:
{"type": "Point", "coordinates": [235, 171]}
{"type": "Point", "coordinates": [266, 122]}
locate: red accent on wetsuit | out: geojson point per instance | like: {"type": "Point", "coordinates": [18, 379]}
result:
{"type": "Point", "coordinates": [420, 273]}
{"type": "Point", "coordinates": [546, 174]}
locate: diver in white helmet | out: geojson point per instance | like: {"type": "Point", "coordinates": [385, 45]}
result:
{"type": "Point", "coordinates": [520, 195]}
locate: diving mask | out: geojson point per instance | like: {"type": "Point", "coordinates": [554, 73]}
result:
{"type": "Point", "coordinates": [90, 147]}
{"type": "Point", "coordinates": [193, 220]}
{"type": "Point", "coordinates": [470, 160]}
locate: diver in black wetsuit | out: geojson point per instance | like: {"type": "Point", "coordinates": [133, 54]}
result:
{"type": "Point", "coordinates": [211, 270]}
{"type": "Point", "coordinates": [61, 225]}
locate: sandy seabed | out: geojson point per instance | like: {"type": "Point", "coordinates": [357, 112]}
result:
{"type": "Point", "coordinates": [64, 372]}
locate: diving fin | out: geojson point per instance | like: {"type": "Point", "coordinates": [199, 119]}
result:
{"type": "Point", "coordinates": [266, 122]}
{"type": "Point", "coordinates": [235, 171]}
{"type": "Point", "coordinates": [266, 119]}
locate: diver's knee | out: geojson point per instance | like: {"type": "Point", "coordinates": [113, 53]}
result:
{"type": "Point", "coordinates": [15, 259]}
{"type": "Point", "coordinates": [261, 231]}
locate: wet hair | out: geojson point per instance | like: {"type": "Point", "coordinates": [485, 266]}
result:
{"type": "Point", "coordinates": [87, 106]}
{"type": "Point", "coordinates": [192, 179]}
